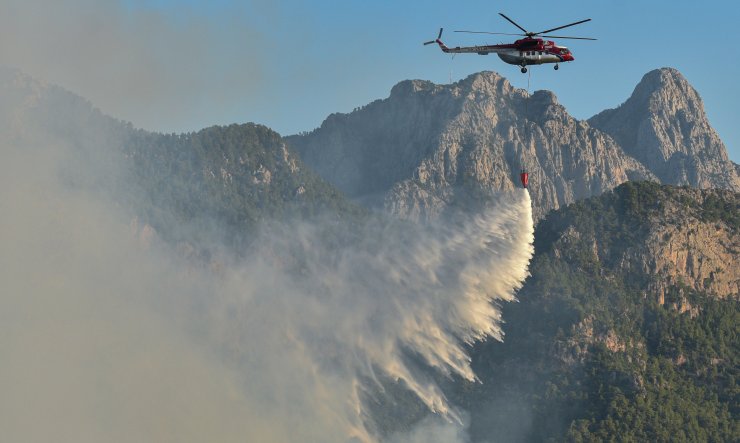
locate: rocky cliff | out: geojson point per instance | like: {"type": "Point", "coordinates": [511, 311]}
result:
{"type": "Point", "coordinates": [693, 242]}
{"type": "Point", "coordinates": [663, 125]}
{"type": "Point", "coordinates": [664, 237]}
{"type": "Point", "coordinates": [427, 146]}
{"type": "Point", "coordinates": [626, 329]}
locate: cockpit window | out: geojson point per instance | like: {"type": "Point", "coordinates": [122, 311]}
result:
{"type": "Point", "coordinates": [564, 51]}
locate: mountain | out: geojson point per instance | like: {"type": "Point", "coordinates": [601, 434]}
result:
{"type": "Point", "coordinates": [663, 125]}
{"type": "Point", "coordinates": [428, 146]}
{"type": "Point", "coordinates": [237, 176]}
{"type": "Point", "coordinates": [619, 334]}
{"type": "Point", "coordinates": [422, 150]}
{"type": "Point", "coordinates": [627, 329]}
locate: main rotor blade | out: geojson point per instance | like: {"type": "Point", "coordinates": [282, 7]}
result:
{"type": "Point", "coordinates": [564, 26]}
{"type": "Point", "coordinates": [485, 32]}
{"type": "Point", "coordinates": [514, 23]}
{"type": "Point", "coordinates": [429, 43]}
{"type": "Point", "coordinates": [572, 38]}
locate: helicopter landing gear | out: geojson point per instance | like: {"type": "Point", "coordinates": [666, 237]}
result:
{"type": "Point", "coordinates": [524, 70]}
{"type": "Point", "coordinates": [557, 67]}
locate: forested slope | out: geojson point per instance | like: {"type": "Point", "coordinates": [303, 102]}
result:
{"type": "Point", "coordinates": [599, 348]}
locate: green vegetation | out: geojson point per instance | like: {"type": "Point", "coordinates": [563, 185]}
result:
{"type": "Point", "coordinates": [717, 209]}
{"type": "Point", "coordinates": [591, 354]}
{"type": "Point", "coordinates": [223, 183]}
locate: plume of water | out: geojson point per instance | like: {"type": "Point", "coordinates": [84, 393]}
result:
{"type": "Point", "coordinates": [395, 302]}
{"type": "Point", "coordinates": [106, 339]}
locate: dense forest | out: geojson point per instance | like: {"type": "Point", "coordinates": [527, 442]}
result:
{"type": "Point", "coordinates": [592, 354]}
{"type": "Point", "coordinates": [220, 184]}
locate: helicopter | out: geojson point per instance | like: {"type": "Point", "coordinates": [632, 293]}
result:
{"type": "Point", "coordinates": [530, 50]}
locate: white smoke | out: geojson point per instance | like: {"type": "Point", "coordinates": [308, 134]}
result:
{"type": "Point", "coordinates": [87, 352]}
{"type": "Point", "coordinates": [393, 297]}
{"type": "Point", "coordinates": [103, 339]}
{"type": "Point", "coordinates": [162, 68]}
{"type": "Point", "coordinates": [432, 430]}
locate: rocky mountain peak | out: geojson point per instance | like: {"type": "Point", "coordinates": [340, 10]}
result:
{"type": "Point", "coordinates": [544, 97]}
{"type": "Point", "coordinates": [488, 81]}
{"type": "Point", "coordinates": [481, 83]}
{"type": "Point", "coordinates": [427, 146]}
{"type": "Point", "coordinates": [408, 87]}
{"type": "Point", "coordinates": [665, 83]}
{"type": "Point", "coordinates": [543, 106]}
{"type": "Point", "coordinates": [664, 126]}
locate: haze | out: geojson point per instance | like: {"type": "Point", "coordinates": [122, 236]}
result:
{"type": "Point", "coordinates": [181, 66]}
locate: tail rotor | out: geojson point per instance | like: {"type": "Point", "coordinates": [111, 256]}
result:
{"type": "Point", "coordinates": [435, 41]}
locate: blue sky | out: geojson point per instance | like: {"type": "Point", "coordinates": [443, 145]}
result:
{"type": "Point", "coordinates": [288, 64]}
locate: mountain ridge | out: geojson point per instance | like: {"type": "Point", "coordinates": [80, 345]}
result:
{"type": "Point", "coordinates": [412, 151]}
{"type": "Point", "coordinates": [664, 126]}
{"type": "Point", "coordinates": [428, 147]}
{"type": "Point", "coordinates": [237, 175]}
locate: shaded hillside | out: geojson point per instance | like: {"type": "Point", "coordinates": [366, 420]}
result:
{"type": "Point", "coordinates": [428, 146]}
{"type": "Point", "coordinates": [215, 185]}
{"type": "Point", "coordinates": [613, 337]}
{"type": "Point", "coordinates": [225, 181]}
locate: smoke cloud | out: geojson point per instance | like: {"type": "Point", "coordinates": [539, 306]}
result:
{"type": "Point", "coordinates": [89, 352]}
{"type": "Point", "coordinates": [107, 334]}
{"type": "Point", "coordinates": [161, 71]}
{"type": "Point", "coordinates": [393, 304]}
{"type": "Point", "coordinates": [432, 430]}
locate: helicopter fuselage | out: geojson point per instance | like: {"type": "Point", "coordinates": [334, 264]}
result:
{"type": "Point", "coordinates": [525, 58]}
{"type": "Point", "coordinates": [523, 52]}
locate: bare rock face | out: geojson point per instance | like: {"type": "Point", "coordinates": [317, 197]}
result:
{"type": "Point", "coordinates": [674, 237]}
{"type": "Point", "coordinates": [428, 146]}
{"type": "Point", "coordinates": [687, 244]}
{"type": "Point", "coordinates": [703, 256]}
{"type": "Point", "coordinates": [663, 125]}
